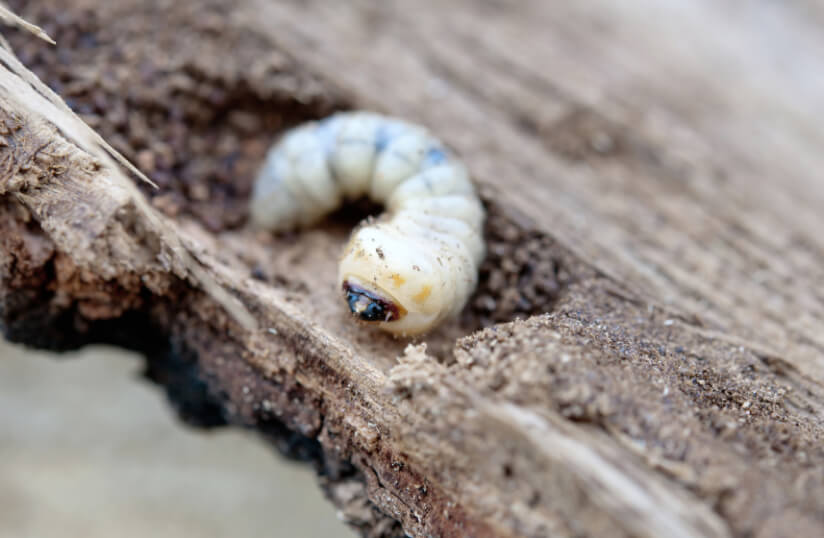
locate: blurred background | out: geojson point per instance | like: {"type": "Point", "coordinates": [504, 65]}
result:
{"type": "Point", "coordinates": [129, 468]}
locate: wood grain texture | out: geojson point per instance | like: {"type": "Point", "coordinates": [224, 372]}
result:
{"type": "Point", "coordinates": [650, 172]}
{"type": "Point", "coordinates": [707, 142]}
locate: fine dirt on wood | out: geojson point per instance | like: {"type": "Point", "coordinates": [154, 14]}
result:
{"type": "Point", "coordinates": [643, 353]}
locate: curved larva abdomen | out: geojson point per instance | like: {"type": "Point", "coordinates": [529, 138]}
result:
{"type": "Point", "coordinates": [418, 263]}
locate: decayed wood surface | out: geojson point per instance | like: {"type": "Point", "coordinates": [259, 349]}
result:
{"type": "Point", "coordinates": [651, 362]}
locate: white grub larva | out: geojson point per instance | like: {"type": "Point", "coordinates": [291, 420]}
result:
{"type": "Point", "coordinates": [414, 266]}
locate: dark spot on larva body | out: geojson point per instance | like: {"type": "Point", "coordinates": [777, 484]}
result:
{"type": "Point", "coordinates": [434, 156]}
{"type": "Point", "coordinates": [382, 138]}
{"type": "Point", "coordinates": [388, 131]}
{"type": "Point", "coordinates": [379, 250]}
{"type": "Point", "coordinates": [368, 306]}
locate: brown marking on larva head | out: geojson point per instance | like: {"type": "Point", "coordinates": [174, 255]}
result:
{"type": "Point", "coordinates": [369, 306]}
{"type": "Point", "coordinates": [423, 295]}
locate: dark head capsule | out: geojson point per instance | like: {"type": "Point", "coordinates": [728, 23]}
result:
{"type": "Point", "coordinates": [368, 306]}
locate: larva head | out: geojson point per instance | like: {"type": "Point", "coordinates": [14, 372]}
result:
{"type": "Point", "coordinates": [369, 305]}
{"type": "Point", "coordinates": [389, 279]}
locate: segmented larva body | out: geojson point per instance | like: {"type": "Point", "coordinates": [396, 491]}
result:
{"type": "Point", "coordinates": [415, 265]}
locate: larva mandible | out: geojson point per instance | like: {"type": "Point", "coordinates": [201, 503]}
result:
{"type": "Point", "coordinates": [415, 265]}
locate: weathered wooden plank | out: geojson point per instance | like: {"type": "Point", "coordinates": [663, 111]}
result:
{"type": "Point", "coordinates": [650, 175]}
